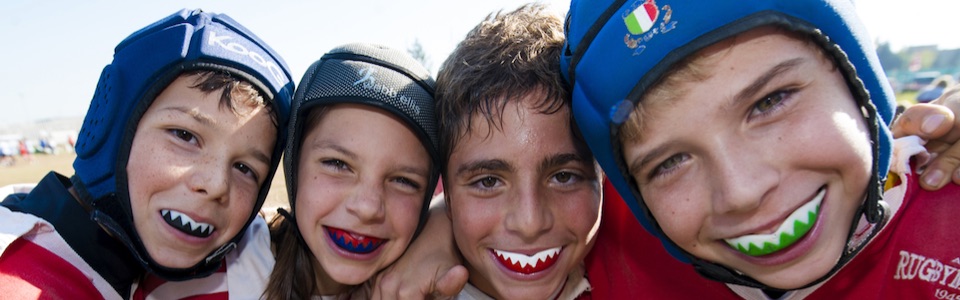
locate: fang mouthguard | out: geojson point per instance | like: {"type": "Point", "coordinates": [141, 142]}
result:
{"type": "Point", "coordinates": [793, 228]}
{"type": "Point", "coordinates": [185, 224]}
{"type": "Point", "coordinates": [522, 263]}
{"type": "Point", "coordinates": [352, 242]}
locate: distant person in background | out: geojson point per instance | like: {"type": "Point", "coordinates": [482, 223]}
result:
{"type": "Point", "coordinates": [175, 158]}
{"type": "Point", "coordinates": [25, 151]}
{"type": "Point", "coordinates": [6, 156]}
{"type": "Point", "coordinates": [70, 144]}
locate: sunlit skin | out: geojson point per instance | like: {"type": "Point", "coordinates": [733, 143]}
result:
{"type": "Point", "coordinates": [196, 157]}
{"type": "Point", "coordinates": [524, 187]}
{"type": "Point", "coordinates": [364, 171]}
{"type": "Point", "coordinates": [736, 153]}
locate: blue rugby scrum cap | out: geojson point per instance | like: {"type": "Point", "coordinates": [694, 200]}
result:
{"type": "Point", "coordinates": [617, 49]}
{"type": "Point", "coordinates": [143, 65]}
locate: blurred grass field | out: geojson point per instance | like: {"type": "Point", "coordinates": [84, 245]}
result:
{"type": "Point", "coordinates": [33, 169]}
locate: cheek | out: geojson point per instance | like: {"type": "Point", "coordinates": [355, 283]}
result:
{"type": "Point", "coordinates": [313, 205]}
{"type": "Point", "coordinates": [242, 207]}
{"type": "Point", "coordinates": [581, 212]}
{"type": "Point", "coordinates": [676, 212]}
{"type": "Point", "coordinates": [403, 213]}
{"type": "Point", "coordinates": [143, 174]}
{"type": "Point", "coordinates": [314, 200]}
{"type": "Point", "coordinates": [471, 221]}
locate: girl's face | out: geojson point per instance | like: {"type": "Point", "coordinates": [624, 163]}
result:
{"type": "Point", "coordinates": [362, 178]}
{"type": "Point", "coordinates": [768, 149]}
{"type": "Point", "coordinates": [195, 170]}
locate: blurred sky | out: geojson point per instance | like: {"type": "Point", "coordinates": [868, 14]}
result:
{"type": "Point", "coordinates": [54, 50]}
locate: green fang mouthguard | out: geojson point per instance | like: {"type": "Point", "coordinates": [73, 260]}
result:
{"type": "Point", "coordinates": [796, 226]}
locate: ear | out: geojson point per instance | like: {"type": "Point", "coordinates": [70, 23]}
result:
{"type": "Point", "coordinates": [446, 208]}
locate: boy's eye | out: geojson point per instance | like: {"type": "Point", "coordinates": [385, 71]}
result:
{"type": "Point", "coordinates": [246, 170]}
{"type": "Point", "coordinates": [486, 185]}
{"type": "Point", "coordinates": [488, 182]}
{"type": "Point", "coordinates": [565, 177]}
{"type": "Point", "coordinates": [669, 165]}
{"type": "Point", "coordinates": [183, 134]}
{"type": "Point", "coordinates": [770, 102]}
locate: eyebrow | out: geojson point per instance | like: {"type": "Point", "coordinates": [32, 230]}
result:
{"type": "Point", "coordinates": [328, 145]}
{"type": "Point", "coordinates": [196, 115]}
{"type": "Point", "coordinates": [760, 82]}
{"type": "Point", "coordinates": [636, 167]}
{"type": "Point", "coordinates": [559, 160]}
{"type": "Point", "coordinates": [259, 155]}
{"type": "Point", "coordinates": [744, 95]}
{"type": "Point", "coordinates": [484, 164]}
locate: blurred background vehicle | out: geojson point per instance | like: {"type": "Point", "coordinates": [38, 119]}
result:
{"type": "Point", "coordinates": [933, 90]}
{"type": "Point", "coordinates": [921, 80]}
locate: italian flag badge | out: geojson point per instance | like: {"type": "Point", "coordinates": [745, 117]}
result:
{"type": "Point", "coordinates": [642, 18]}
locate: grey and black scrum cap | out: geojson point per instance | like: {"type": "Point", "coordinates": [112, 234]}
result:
{"type": "Point", "coordinates": [373, 75]}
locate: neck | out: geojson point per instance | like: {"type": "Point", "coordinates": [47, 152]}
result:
{"type": "Point", "coordinates": [326, 285]}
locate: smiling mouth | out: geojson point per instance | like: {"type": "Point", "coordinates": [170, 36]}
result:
{"type": "Point", "coordinates": [793, 228]}
{"type": "Point", "coordinates": [185, 224]}
{"type": "Point", "coordinates": [527, 264]}
{"type": "Point", "coordinates": [353, 242]}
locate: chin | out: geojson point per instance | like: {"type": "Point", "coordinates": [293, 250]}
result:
{"type": "Point", "coordinates": [176, 261]}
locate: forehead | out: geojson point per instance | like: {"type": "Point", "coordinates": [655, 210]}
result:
{"type": "Point", "coordinates": [517, 128]}
{"type": "Point", "coordinates": [364, 127]}
{"type": "Point", "coordinates": [735, 55]}
{"type": "Point", "coordinates": [349, 119]}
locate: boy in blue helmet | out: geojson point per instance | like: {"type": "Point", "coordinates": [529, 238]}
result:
{"type": "Point", "coordinates": [174, 159]}
{"type": "Point", "coordinates": [752, 138]}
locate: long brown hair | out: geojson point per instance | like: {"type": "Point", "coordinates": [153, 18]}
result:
{"type": "Point", "coordinates": [293, 276]}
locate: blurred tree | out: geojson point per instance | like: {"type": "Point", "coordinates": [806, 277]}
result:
{"type": "Point", "coordinates": [416, 50]}
{"type": "Point", "coordinates": [889, 60]}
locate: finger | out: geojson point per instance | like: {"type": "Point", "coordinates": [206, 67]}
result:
{"type": "Point", "coordinates": [926, 121]}
{"type": "Point", "coordinates": [385, 286]}
{"type": "Point", "coordinates": [450, 284]}
{"type": "Point", "coordinates": [942, 169]}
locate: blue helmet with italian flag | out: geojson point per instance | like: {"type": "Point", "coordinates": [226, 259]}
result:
{"type": "Point", "coordinates": [143, 65]}
{"type": "Point", "coordinates": [617, 49]}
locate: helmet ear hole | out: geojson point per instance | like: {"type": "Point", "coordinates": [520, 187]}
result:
{"type": "Point", "coordinates": [96, 130]}
{"type": "Point", "coordinates": [98, 113]}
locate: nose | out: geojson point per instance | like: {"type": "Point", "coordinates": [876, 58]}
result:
{"type": "Point", "coordinates": [367, 203]}
{"type": "Point", "coordinates": [530, 216]}
{"type": "Point", "coordinates": [743, 180]}
{"type": "Point", "coordinates": [209, 181]}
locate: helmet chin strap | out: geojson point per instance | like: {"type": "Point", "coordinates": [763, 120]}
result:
{"type": "Point", "coordinates": [220, 254]}
{"type": "Point", "coordinates": [108, 213]}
